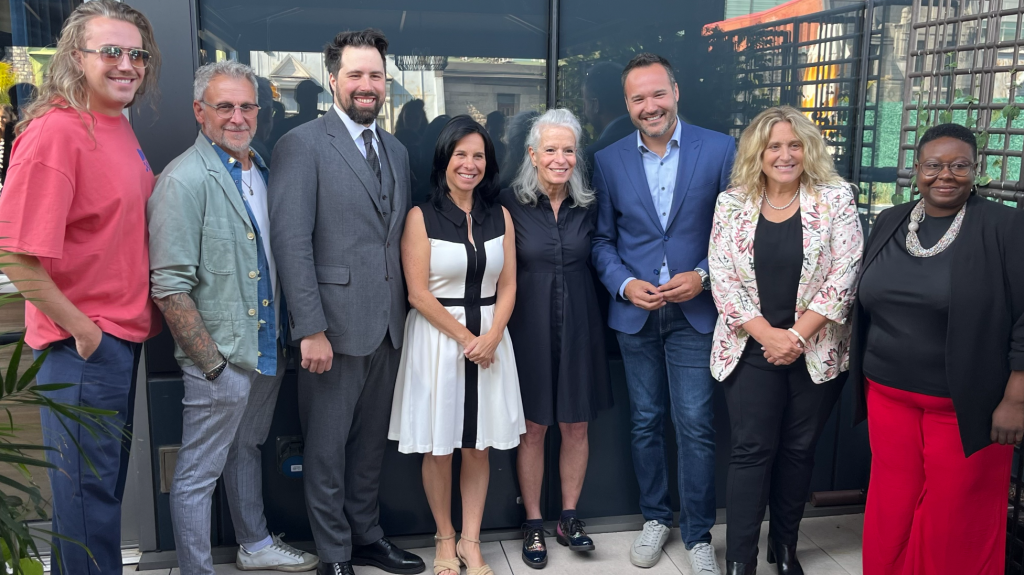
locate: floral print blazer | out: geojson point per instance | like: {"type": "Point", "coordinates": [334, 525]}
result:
{"type": "Point", "coordinates": [833, 245]}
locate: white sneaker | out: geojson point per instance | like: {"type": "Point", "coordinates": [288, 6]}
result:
{"type": "Point", "coordinates": [702, 560]}
{"type": "Point", "coordinates": [646, 549]}
{"type": "Point", "coordinates": [278, 556]}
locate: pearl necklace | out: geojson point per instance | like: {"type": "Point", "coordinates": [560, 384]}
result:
{"type": "Point", "coordinates": [914, 244]}
{"type": "Point", "coordinates": [764, 195]}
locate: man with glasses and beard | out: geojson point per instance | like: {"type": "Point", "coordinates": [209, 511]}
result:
{"type": "Point", "coordinates": [656, 191]}
{"type": "Point", "coordinates": [339, 193]}
{"type": "Point", "coordinates": [214, 277]}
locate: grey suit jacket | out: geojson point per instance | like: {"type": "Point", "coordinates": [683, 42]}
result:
{"type": "Point", "coordinates": [338, 263]}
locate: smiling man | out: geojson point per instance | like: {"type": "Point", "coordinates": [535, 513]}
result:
{"type": "Point", "coordinates": [73, 221]}
{"type": "Point", "coordinates": [339, 193]}
{"type": "Point", "coordinates": [656, 191]}
{"type": "Point", "coordinates": [214, 278]}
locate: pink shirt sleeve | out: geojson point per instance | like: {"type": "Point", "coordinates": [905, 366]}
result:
{"type": "Point", "coordinates": [35, 203]}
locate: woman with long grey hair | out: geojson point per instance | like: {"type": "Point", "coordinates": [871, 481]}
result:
{"type": "Point", "coordinates": [556, 327]}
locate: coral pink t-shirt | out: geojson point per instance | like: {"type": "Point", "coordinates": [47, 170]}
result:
{"type": "Point", "coordinates": [79, 205]}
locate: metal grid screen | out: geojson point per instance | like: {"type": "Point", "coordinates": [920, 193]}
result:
{"type": "Point", "coordinates": [965, 65]}
{"type": "Point", "coordinates": [812, 63]}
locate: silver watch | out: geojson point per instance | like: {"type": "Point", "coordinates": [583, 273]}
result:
{"type": "Point", "coordinates": [705, 279]}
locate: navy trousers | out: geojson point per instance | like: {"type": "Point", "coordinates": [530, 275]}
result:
{"type": "Point", "coordinates": [87, 505]}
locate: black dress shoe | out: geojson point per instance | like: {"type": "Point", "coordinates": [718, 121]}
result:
{"type": "Point", "coordinates": [571, 534]}
{"type": "Point", "coordinates": [734, 568]}
{"type": "Point", "coordinates": [784, 557]}
{"type": "Point", "coordinates": [383, 554]}
{"type": "Point", "coordinates": [335, 569]}
{"type": "Point", "coordinates": [535, 551]}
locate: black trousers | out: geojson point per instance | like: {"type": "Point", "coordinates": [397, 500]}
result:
{"type": "Point", "coordinates": [776, 417]}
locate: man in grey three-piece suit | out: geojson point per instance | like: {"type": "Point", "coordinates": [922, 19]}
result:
{"type": "Point", "coordinates": [339, 193]}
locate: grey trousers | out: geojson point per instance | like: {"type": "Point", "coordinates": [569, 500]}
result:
{"type": "Point", "coordinates": [345, 413]}
{"type": "Point", "coordinates": [224, 424]}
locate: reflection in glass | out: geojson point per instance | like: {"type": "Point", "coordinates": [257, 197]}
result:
{"type": "Point", "coordinates": [450, 57]}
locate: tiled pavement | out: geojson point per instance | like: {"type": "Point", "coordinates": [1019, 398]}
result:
{"type": "Point", "coordinates": [828, 546]}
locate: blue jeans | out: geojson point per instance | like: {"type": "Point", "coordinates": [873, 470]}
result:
{"type": "Point", "coordinates": [87, 505]}
{"type": "Point", "coordinates": [668, 369]}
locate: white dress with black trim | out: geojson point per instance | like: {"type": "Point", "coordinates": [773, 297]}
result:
{"type": "Point", "coordinates": [442, 400]}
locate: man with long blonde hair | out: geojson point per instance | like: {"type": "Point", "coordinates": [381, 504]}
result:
{"type": "Point", "coordinates": [73, 216]}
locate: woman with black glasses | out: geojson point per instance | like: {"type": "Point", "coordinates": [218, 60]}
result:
{"type": "Point", "coordinates": [938, 360]}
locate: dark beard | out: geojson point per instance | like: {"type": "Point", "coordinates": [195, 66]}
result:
{"type": "Point", "coordinates": [363, 117]}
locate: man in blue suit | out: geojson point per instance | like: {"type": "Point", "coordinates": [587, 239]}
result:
{"type": "Point", "coordinates": [656, 192]}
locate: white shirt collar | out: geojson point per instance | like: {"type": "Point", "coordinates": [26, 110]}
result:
{"type": "Point", "coordinates": [354, 129]}
{"type": "Point", "coordinates": [677, 133]}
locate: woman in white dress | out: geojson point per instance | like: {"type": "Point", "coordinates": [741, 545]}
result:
{"type": "Point", "coordinates": [457, 382]}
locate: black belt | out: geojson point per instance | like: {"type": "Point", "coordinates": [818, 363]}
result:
{"type": "Point", "coordinates": [463, 302]}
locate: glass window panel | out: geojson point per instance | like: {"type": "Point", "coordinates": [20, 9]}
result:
{"type": "Point", "coordinates": [446, 57]}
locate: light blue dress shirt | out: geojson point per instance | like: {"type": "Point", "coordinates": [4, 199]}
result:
{"type": "Point", "coordinates": [661, 181]}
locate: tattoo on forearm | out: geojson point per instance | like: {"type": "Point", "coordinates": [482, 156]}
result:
{"type": "Point", "coordinates": [189, 331]}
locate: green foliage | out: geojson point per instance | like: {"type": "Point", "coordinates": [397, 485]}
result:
{"type": "Point", "coordinates": [20, 497]}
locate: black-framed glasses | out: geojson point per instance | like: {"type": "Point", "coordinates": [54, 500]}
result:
{"type": "Point", "coordinates": [226, 111]}
{"type": "Point", "coordinates": [958, 168]}
{"type": "Point", "coordinates": [112, 55]}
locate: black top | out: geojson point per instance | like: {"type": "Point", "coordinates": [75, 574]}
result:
{"type": "Point", "coordinates": [985, 326]}
{"type": "Point", "coordinates": [778, 258]}
{"type": "Point", "coordinates": [906, 299]}
{"type": "Point", "coordinates": [556, 327]}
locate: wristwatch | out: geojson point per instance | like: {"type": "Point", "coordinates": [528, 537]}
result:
{"type": "Point", "coordinates": [705, 279]}
{"type": "Point", "coordinates": [216, 371]}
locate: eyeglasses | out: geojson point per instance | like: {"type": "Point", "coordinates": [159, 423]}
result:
{"type": "Point", "coordinates": [956, 168]}
{"type": "Point", "coordinates": [112, 55]}
{"type": "Point", "coordinates": [226, 111]}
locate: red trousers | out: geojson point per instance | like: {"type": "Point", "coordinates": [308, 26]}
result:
{"type": "Point", "coordinates": [930, 510]}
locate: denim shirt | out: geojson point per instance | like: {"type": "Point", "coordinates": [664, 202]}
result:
{"type": "Point", "coordinates": [267, 338]}
{"type": "Point", "coordinates": [661, 181]}
{"type": "Point", "coordinates": [204, 242]}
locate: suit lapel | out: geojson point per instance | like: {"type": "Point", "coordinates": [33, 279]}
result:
{"type": "Point", "coordinates": [884, 230]}
{"type": "Point", "coordinates": [689, 151]}
{"type": "Point", "coordinates": [635, 173]}
{"type": "Point", "coordinates": [812, 221]}
{"type": "Point", "coordinates": [342, 141]}
{"type": "Point", "coordinates": [220, 172]}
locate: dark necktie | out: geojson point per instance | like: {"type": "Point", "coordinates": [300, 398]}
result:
{"type": "Point", "coordinates": [371, 154]}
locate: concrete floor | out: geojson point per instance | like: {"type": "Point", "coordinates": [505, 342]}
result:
{"type": "Point", "coordinates": [828, 546]}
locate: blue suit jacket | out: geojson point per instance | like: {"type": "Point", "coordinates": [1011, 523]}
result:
{"type": "Point", "coordinates": [630, 241]}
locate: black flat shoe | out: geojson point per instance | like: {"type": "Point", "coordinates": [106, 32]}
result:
{"type": "Point", "coordinates": [383, 554]}
{"type": "Point", "coordinates": [535, 551]}
{"type": "Point", "coordinates": [784, 557]}
{"type": "Point", "coordinates": [734, 568]}
{"type": "Point", "coordinates": [571, 534]}
{"type": "Point", "coordinates": [335, 569]}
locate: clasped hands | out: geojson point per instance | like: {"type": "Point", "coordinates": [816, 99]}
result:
{"type": "Point", "coordinates": [780, 346]}
{"type": "Point", "coordinates": [682, 287]}
{"type": "Point", "coordinates": [480, 349]}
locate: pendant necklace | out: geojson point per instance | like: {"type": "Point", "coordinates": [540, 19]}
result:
{"type": "Point", "coordinates": [248, 185]}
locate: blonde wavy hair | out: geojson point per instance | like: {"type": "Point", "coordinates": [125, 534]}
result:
{"type": "Point", "coordinates": [817, 163]}
{"type": "Point", "coordinates": [65, 84]}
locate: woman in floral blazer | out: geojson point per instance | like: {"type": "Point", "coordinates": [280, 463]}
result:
{"type": "Point", "coordinates": [781, 345]}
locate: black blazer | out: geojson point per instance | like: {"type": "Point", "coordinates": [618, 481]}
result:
{"type": "Point", "coordinates": [985, 336]}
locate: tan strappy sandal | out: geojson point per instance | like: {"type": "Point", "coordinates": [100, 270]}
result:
{"type": "Point", "coordinates": [441, 565]}
{"type": "Point", "coordinates": [484, 569]}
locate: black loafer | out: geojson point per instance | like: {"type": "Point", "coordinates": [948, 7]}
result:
{"type": "Point", "coordinates": [383, 554]}
{"type": "Point", "coordinates": [571, 534]}
{"type": "Point", "coordinates": [535, 552]}
{"type": "Point", "coordinates": [335, 569]}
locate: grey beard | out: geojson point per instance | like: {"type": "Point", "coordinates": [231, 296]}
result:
{"type": "Point", "coordinates": [668, 126]}
{"type": "Point", "coordinates": [238, 150]}
{"type": "Point", "coordinates": [363, 117]}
